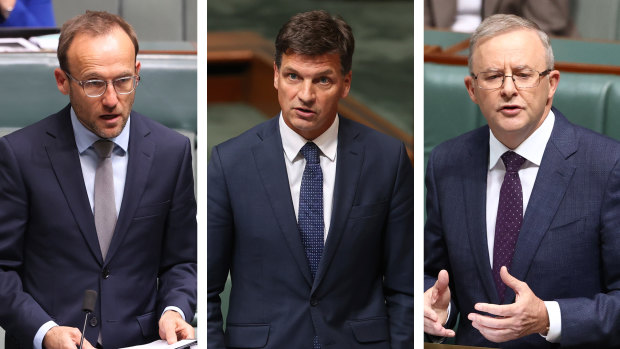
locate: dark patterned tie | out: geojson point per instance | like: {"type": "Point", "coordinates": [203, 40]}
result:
{"type": "Point", "coordinates": [310, 215]}
{"type": "Point", "coordinates": [509, 218]}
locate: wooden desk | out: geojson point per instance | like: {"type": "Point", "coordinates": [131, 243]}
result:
{"type": "Point", "coordinates": [448, 346]}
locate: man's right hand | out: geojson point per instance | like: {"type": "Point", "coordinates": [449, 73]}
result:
{"type": "Point", "coordinates": [436, 302]}
{"type": "Point", "coordinates": [62, 337]}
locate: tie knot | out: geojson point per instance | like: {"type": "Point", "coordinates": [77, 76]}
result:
{"type": "Point", "coordinates": [103, 147]}
{"type": "Point", "coordinates": [310, 151]}
{"type": "Point", "coordinates": [512, 161]}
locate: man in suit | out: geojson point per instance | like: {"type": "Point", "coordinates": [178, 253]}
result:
{"type": "Point", "coordinates": [311, 213]}
{"type": "Point", "coordinates": [553, 16]}
{"type": "Point", "coordinates": [522, 238]}
{"type": "Point", "coordinates": [60, 199]}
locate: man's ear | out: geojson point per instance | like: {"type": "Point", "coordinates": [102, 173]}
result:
{"type": "Point", "coordinates": [347, 84]}
{"type": "Point", "coordinates": [62, 81]}
{"type": "Point", "coordinates": [276, 75]}
{"type": "Point", "coordinates": [470, 84]}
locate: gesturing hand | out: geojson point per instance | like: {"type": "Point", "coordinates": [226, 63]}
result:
{"type": "Point", "coordinates": [525, 316]}
{"type": "Point", "coordinates": [436, 302]}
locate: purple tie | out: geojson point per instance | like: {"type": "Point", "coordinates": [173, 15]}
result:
{"type": "Point", "coordinates": [509, 218]}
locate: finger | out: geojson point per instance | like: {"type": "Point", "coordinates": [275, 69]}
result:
{"type": "Point", "coordinates": [436, 329]}
{"type": "Point", "coordinates": [442, 280]}
{"type": "Point", "coordinates": [184, 331]}
{"type": "Point", "coordinates": [490, 322]}
{"type": "Point", "coordinates": [504, 310]}
{"type": "Point", "coordinates": [87, 345]}
{"type": "Point", "coordinates": [511, 281]}
{"type": "Point", "coordinates": [430, 314]}
{"type": "Point", "coordinates": [171, 334]}
{"type": "Point", "coordinates": [494, 335]}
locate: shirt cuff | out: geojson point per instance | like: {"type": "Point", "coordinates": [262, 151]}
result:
{"type": "Point", "coordinates": [178, 310]}
{"type": "Point", "coordinates": [555, 322]}
{"type": "Point", "coordinates": [37, 343]}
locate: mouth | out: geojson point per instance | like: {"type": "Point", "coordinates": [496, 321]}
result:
{"type": "Point", "coordinates": [304, 112]}
{"type": "Point", "coordinates": [510, 109]}
{"type": "Point", "coordinates": [109, 117]}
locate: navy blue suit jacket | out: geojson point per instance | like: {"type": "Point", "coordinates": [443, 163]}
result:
{"type": "Point", "coordinates": [362, 296]}
{"type": "Point", "coordinates": [49, 251]}
{"type": "Point", "coordinates": [568, 249]}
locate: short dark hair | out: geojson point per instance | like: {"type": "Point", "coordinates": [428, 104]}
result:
{"type": "Point", "coordinates": [316, 33]}
{"type": "Point", "coordinates": [93, 23]}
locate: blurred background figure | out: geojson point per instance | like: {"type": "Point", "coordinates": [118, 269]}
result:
{"type": "Point", "coordinates": [26, 13]}
{"type": "Point", "coordinates": [553, 16]}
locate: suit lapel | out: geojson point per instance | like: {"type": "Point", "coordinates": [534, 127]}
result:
{"type": "Point", "coordinates": [474, 190]}
{"type": "Point", "coordinates": [269, 160]}
{"type": "Point", "coordinates": [141, 152]}
{"type": "Point", "coordinates": [349, 161]}
{"type": "Point", "coordinates": [553, 177]}
{"type": "Point", "coordinates": [63, 155]}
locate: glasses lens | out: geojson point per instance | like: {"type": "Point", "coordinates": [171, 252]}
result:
{"type": "Point", "coordinates": [526, 78]}
{"type": "Point", "coordinates": [490, 80]}
{"type": "Point", "coordinates": [94, 88]}
{"type": "Point", "coordinates": [124, 85]}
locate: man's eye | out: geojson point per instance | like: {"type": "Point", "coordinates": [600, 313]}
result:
{"type": "Point", "coordinates": [491, 77]}
{"type": "Point", "coordinates": [524, 75]}
{"type": "Point", "coordinates": [324, 80]}
{"type": "Point", "coordinates": [292, 76]}
{"type": "Point", "coordinates": [94, 83]}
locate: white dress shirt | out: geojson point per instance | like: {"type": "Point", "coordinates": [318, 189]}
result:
{"type": "Point", "coordinates": [292, 143]}
{"type": "Point", "coordinates": [532, 149]}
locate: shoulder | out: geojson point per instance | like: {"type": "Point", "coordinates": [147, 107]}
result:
{"type": "Point", "coordinates": [472, 142]}
{"type": "Point", "coordinates": [248, 139]}
{"type": "Point", "coordinates": [372, 139]}
{"type": "Point", "coordinates": [155, 131]}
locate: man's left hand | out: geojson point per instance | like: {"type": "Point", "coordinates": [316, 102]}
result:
{"type": "Point", "coordinates": [527, 315]}
{"type": "Point", "coordinates": [173, 328]}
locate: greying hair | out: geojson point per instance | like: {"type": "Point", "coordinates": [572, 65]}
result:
{"type": "Point", "coordinates": [501, 23]}
{"type": "Point", "coordinates": [315, 33]}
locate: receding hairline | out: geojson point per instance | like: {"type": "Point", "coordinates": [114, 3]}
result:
{"type": "Point", "coordinates": [95, 34]}
{"type": "Point", "coordinates": [509, 30]}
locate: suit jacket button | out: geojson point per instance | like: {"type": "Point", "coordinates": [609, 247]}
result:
{"type": "Point", "coordinates": [314, 302]}
{"type": "Point", "coordinates": [105, 273]}
{"type": "Point", "coordinates": [93, 321]}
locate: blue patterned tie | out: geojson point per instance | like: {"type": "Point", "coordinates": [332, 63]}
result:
{"type": "Point", "coordinates": [509, 218]}
{"type": "Point", "coordinates": [310, 216]}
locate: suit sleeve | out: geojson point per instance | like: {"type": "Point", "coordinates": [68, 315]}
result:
{"type": "Point", "coordinates": [398, 272]}
{"type": "Point", "coordinates": [595, 321]}
{"type": "Point", "coordinates": [220, 235]}
{"type": "Point", "coordinates": [435, 249]}
{"type": "Point", "coordinates": [20, 314]}
{"type": "Point", "coordinates": [177, 271]}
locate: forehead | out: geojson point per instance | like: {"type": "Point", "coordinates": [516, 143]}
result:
{"type": "Point", "coordinates": [521, 47]}
{"type": "Point", "coordinates": [112, 49]}
{"type": "Point", "coordinates": [311, 64]}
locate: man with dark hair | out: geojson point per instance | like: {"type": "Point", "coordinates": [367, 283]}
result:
{"type": "Point", "coordinates": [522, 239]}
{"type": "Point", "coordinates": [96, 197]}
{"type": "Point", "coordinates": [311, 213]}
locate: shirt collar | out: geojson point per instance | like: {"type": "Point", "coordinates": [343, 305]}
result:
{"type": "Point", "coordinates": [292, 142]}
{"type": "Point", "coordinates": [84, 138]}
{"type": "Point", "coordinates": [532, 148]}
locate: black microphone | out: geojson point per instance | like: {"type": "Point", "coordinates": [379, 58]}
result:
{"type": "Point", "coordinates": [90, 298]}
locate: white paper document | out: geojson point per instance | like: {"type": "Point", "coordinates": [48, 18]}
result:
{"type": "Point", "coordinates": [162, 344]}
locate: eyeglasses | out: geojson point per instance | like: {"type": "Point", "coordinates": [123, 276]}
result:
{"type": "Point", "coordinates": [95, 88]}
{"type": "Point", "coordinates": [525, 78]}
